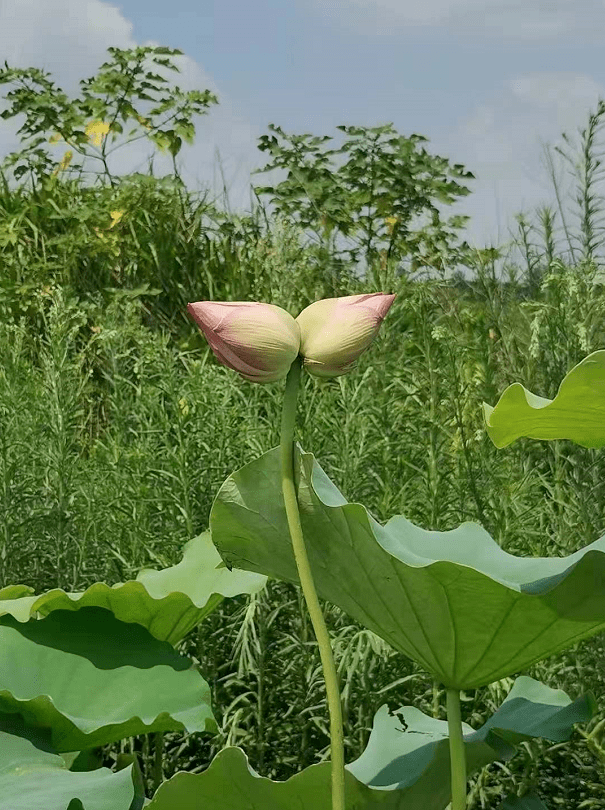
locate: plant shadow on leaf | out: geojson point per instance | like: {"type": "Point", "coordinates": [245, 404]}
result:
{"type": "Point", "coordinates": [92, 679]}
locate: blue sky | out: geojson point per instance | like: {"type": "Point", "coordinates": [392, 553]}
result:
{"type": "Point", "coordinates": [286, 61]}
{"type": "Point", "coordinates": [485, 80]}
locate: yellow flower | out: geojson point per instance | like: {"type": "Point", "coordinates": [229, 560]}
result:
{"type": "Point", "coordinates": [116, 216]}
{"type": "Point", "coordinates": [65, 161]}
{"type": "Point", "coordinates": [390, 221]}
{"type": "Point", "coordinates": [96, 131]}
{"type": "Point", "coordinates": [54, 138]}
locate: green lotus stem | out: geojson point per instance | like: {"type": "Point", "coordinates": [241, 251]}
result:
{"type": "Point", "coordinates": [158, 751]}
{"type": "Point", "coordinates": [457, 752]}
{"type": "Point", "coordinates": [308, 588]}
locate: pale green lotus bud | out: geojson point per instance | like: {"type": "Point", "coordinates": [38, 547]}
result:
{"type": "Point", "coordinates": [260, 341]}
{"type": "Point", "coordinates": [334, 332]}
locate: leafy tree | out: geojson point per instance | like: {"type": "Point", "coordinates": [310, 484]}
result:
{"type": "Point", "coordinates": [107, 102]}
{"type": "Point", "coordinates": [373, 197]}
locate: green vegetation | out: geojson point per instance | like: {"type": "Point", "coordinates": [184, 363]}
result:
{"type": "Point", "coordinates": [118, 426]}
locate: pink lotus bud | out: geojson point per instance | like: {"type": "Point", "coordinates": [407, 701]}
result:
{"type": "Point", "coordinates": [260, 341]}
{"type": "Point", "coordinates": [335, 331]}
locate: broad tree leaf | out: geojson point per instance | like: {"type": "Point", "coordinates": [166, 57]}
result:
{"type": "Point", "coordinates": [169, 603]}
{"type": "Point", "coordinates": [576, 413]}
{"type": "Point", "coordinates": [32, 779]}
{"type": "Point", "coordinates": [409, 750]}
{"type": "Point", "coordinates": [92, 679]}
{"type": "Point", "coordinates": [453, 601]}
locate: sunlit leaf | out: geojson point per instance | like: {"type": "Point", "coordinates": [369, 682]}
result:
{"type": "Point", "coordinates": [169, 602]}
{"type": "Point", "coordinates": [577, 412]}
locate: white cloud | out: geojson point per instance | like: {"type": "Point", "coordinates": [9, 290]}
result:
{"type": "Point", "coordinates": [66, 37]}
{"type": "Point", "coordinates": [519, 19]}
{"type": "Point", "coordinates": [69, 39]}
{"type": "Point", "coordinates": [502, 144]}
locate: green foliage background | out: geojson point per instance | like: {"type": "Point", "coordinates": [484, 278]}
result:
{"type": "Point", "coordinates": [117, 425]}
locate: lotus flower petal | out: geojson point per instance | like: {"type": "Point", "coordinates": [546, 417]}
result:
{"type": "Point", "coordinates": [334, 332]}
{"type": "Point", "coordinates": [260, 341]}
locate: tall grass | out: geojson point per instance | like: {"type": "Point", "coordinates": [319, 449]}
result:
{"type": "Point", "coordinates": [117, 426]}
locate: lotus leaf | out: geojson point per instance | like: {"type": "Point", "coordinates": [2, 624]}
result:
{"type": "Point", "coordinates": [404, 767]}
{"type": "Point", "coordinates": [93, 680]}
{"type": "Point", "coordinates": [32, 779]}
{"type": "Point", "coordinates": [453, 601]}
{"type": "Point", "coordinates": [577, 412]}
{"type": "Point", "coordinates": [169, 603]}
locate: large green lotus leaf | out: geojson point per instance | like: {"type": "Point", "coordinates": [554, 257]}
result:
{"type": "Point", "coordinates": [454, 601]}
{"type": "Point", "coordinates": [577, 412]}
{"type": "Point", "coordinates": [15, 592]}
{"type": "Point", "coordinates": [31, 779]}
{"type": "Point", "coordinates": [92, 679]}
{"type": "Point", "coordinates": [229, 783]}
{"type": "Point", "coordinates": [169, 603]}
{"type": "Point", "coordinates": [405, 766]}
{"type": "Point", "coordinates": [408, 750]}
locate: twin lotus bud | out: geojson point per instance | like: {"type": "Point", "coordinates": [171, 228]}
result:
{"type": "Point", "coordinates": [261, 341]}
